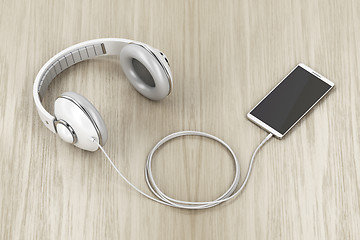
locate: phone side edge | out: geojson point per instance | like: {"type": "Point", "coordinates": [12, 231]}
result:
{"type": "Point", "coordinates": [316, 74]}
{"type": "Point", "coordinates": [263, 125]}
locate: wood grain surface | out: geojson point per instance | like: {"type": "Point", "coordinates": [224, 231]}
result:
{"type": "Point", "coordinates": [225, 56]}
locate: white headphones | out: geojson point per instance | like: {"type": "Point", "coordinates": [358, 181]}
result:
{"type": "Point", "coordinates": [76, 120]}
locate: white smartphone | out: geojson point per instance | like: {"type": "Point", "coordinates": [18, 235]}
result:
{"type": "Point", "coordinates": [290, 100]}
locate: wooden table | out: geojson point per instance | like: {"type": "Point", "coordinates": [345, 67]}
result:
{"type": "Point", "coordinates": [225, 56]}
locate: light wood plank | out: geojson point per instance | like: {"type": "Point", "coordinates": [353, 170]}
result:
{"type": "Point", "coordinates": [225, 56]}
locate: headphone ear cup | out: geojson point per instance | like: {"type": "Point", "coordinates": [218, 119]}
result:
{"type": "Point", "coordinates": [145, 71]}
{"type": "Point", "coordinates": [75, 112]}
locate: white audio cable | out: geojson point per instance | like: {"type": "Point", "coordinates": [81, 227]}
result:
{"type": "Point", "coordinates": [166, 200]}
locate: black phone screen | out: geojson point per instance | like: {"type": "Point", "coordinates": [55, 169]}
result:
{"type": "Point", "coordinates": [290, 100]}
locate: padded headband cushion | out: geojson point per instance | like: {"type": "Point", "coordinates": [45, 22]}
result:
{"type": "Point", "coordinates": [144, 72]}
{"type": "Point", "coordinates": [91, 110]}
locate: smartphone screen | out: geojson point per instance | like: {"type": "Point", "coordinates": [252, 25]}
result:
{"type": "Point", "coordinates": [290, 100]}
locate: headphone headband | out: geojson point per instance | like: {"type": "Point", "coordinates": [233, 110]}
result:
{"type": "Point", "coordinates": [70, 56]}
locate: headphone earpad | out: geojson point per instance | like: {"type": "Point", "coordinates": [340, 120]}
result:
{"type": "Point", "coordinates": [145, 72]}
{"type": "Point", "coordinates": [75, 112]}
